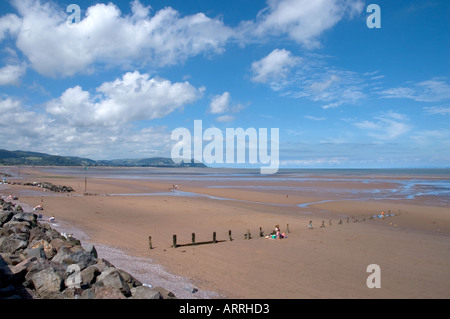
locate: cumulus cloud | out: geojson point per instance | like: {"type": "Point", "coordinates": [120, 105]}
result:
{"type": "Point", "coordinates": [38, 131]}
{"type": "Point", "coordinates": [9, 25]}
{"type": "Point", "coordinates": [98, 124]}
{"type": "Point", "coordinates": [55, 47]}
{"type": "Point", "coordinates": [9, 105]}
{"type": "Point", "coordinates": [104, 35]}
{"type": "Point", "coordinates": [221, 104]}
{"type": "Point", "coordinates": [301, 20]}
{"type": "Point", "coordinates": [274, 67]}
{"type": "Point", "coordinates": [11, 74]}
{"type": "Point", "coordinates": [133, 97]}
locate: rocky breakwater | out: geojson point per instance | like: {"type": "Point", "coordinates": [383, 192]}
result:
{"type": "Point", "coordinates": [45, 186]}
{"type": "Point", "coordinates": [37, 262]}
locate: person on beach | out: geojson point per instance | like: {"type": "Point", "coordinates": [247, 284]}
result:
{"type": "Point", "coordinates": [278, 233]}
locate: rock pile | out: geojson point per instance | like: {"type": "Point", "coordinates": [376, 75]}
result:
{"type": "Point", "coordinates": [46, 185]}
{"type": "Point", "coordinates": [37, 262]}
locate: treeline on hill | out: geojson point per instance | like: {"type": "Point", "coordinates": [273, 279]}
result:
{"type": "Point", "coordinates": [42, 159]}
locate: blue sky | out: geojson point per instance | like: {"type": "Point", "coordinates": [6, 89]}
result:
{"type": "Point", "coordinates": [119, 81]}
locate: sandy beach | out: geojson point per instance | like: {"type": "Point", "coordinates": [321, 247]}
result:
{"type": "Point", "coordinates": [411, 247]}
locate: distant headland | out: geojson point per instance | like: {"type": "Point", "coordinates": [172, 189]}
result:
{"type": "Point", "coordinates": [43, 159]}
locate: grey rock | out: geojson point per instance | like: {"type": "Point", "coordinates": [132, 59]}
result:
{"type": "Point", "coordinates": [47, 282]}
{"type": "Point", "coordinates": [66, 257]}
{"type": "Point", "coordinates": [129, 279]}
{"type": "Point", "coordinates": [11, 244]}
{"type": "Point", "coordinates": [90, 248]}
{"type": "Point", "coordinates": [37, 252]}
{"type": "Point", "coordinates": [26, 217]}
{"type": "Point", "coordinates": [89, 275]}
{"type": "Point", "coordinates": [5, 217]}
{"type": "Point", "coordinates": [17, 227]}
{"type": "Point", "coordinates": [144, 292]}
{"type": "Point", "coordinates": [111, 278]}
{"type": "Point", "coordinates": [108, 292]}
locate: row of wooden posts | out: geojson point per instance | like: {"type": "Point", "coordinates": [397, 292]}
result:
{"type": "Point", "coordinates": [214, 240]}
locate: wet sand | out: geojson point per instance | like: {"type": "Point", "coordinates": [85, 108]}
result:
{"type": "Point", "coordinates": [411, 247]}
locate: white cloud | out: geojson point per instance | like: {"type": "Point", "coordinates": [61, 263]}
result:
{"type": "Point", "coordinates": [9, 105]}
{"type": "Point", "coordinates": [433, 90]}
{"type": "Point", "coordinates": [11, 74]}
{"type": "Point", "coordinates": [386, 126]}
{"type": "Point", "coordinates": [309, 77]}
{"type": "Point", "coordinates": [314, 118]}
{"type": "Point", "coordinates": [9, 24]}
{"type": "Point", "coordinates": [34, 131]}
{"type": "Point", "coordinates": [433, 110]}
{"type": "Point", "coordinates": [106, 36]}
{"type": "Point", "coordinates": [302, 20]}
{"type": "Point", "coordinates": [274, 68]}
{"type": "Point", "coordinates": [220, 103]}
{"type": "Point", "coordinates": [133, 97]}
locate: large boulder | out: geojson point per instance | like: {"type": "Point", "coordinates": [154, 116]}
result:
{"type": "Point", "coordinates": [111, 277]}
{"type": "Point", "coordinates": [47, 248]}
{"type": "Point", "coordinates": [144, 292]}
{"type": "Point", "coordinates": [67, 257]}
{"type": "Point", "coordinates": [26, 217]}
{"type": "Point", "coordinates": [40, 264]}
{"type": "Point", "coordinates": [90, 248]}
{"type": "Point", "coordinates": [89, 275]}
{"type": "Point", "coordinates": [12, 244]}
{"type": "Point", "coordinates": [5, 217]}
{"type": "Point", "coordinates": [18, 227]}
{"type": "Point", "coordinates": [47, 283]}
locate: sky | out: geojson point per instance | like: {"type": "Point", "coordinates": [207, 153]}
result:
{"type": "Point", "coordinates": [118, 81]}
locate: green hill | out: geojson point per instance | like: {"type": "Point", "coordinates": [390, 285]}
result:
{"type": "Point", "coordinates": [42, 159]}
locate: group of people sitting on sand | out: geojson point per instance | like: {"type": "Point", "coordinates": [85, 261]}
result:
{"type": "Point", "coordinates": [276, 233]}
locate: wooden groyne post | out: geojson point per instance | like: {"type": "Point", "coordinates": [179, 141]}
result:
{"type": "Point", "coordinates": [174, 245]}
{"type": "Point", "coordinates": [150, 242]}
{"type": "Point", "coordinates": [195, 243]}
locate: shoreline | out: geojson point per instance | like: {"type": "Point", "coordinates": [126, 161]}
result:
{"type": "Point", "coordinates": [327, 262]}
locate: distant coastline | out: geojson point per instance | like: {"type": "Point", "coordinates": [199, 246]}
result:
{"type": "Point", "coordinates": [15, 158]}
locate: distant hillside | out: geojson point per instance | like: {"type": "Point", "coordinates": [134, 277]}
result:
{"type": "Point", "coordinates": [42, 159]}
{"type": "Point", "coordinates": [148, 162]}
{"type": "Point", "coordinates": [34, 158]}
